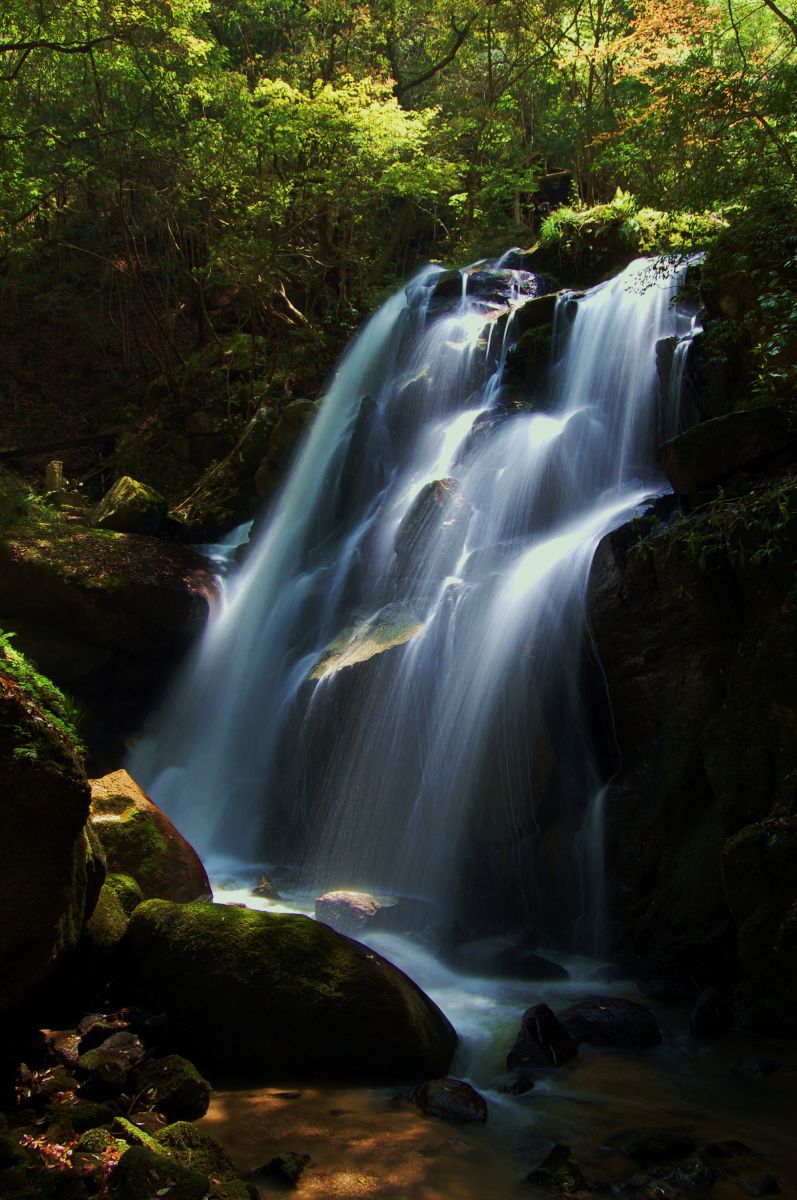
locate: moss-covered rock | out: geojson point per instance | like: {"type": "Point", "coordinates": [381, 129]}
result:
{"type": "Point", "coordinates": [107, 924]}
{"type": "Point", "coordinates": [264, 994]}
{"type": "Point", "coordinates": [176, 1087]}
{"type": "Point", "coordinates": [47, 873]}
{"type": "Point", "coordinates": [139, 840]}
{"type": "Point", "coordinates": [142, 1175]}
{"type": "Point", "coordinates": [126, 890]}
{"type": "Point", "coordinates": [194, 1148]}
{"type": "Point", "coordinates": [130, 507]}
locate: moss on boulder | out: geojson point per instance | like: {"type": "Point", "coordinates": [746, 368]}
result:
{"type": "Point", "coordinates": [140, 841]}
{"type": "Point", "coordinates": [126, 890]}
{"type": "Point", "coordinates": [130, 507]}
{"type": "Point", "coordinates": [264, 994]}
{"type": "Point", "coordinates": [194, 1148]}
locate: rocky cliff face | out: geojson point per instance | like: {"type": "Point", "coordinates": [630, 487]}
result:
{"type": "Point", "coordinates": [694, 618]}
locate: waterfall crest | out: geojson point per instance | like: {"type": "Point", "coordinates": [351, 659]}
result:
{"type": "Point", "coordinates": [398, 695]}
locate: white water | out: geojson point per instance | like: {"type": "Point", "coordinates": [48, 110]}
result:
{"type": "Point", "coordinates": [461, 765]}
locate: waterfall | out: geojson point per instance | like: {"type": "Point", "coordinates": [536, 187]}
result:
{"type": "Point", "coordinates": [399, 694]}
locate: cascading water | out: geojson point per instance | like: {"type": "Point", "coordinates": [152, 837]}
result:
{"type": "Point", "coordinates": [397, 695]}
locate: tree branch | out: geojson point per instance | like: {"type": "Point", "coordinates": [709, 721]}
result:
{"type": "Point", "coordinates": [449, 56]}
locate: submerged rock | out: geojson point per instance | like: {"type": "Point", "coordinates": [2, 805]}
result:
{"type": "Point", "coordinates": [351, 912]}
{"type": "Point", "coordinates": [437, 519]}
{"type": "Point", "coordinates": [261, 994]}
{"type": "Point", "coordinates": [543, 1040]}
{"type": "Point", "coordinates": [450, 1100]}
{"type": "Point", "coordinates": [139, 840]}
{"type": "Point", "coordinates": [610, 1021]}
{"type": "Point", "coordinates": [286, 1168]}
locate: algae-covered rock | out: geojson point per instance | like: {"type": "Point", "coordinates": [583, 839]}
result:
{"type": "Point", "coordinates": [176, 1087]}
{"type": "Point", "coordinates": [45, 880]}
{"type": "Point", "coordinates": [130, 507]}
{"type": "Point", "coordinates": [107, 924]}
{"type": "Point", "coordinates": [263, 993]}
{"type": "Point", "coordinates": [139, 840]}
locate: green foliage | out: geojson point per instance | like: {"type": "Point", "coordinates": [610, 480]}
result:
{"type": "Point", "coordinates": [60, 709]}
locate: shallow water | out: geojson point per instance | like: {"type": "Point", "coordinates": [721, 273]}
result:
{"type": "Point", "coordinates": [369, 1142]}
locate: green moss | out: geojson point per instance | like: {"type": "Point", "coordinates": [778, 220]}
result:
{"type": "Point", "coordinates": [126, 890]}
{"type": "Point", "coordinates": [107, 924]}
{"type": "Point", "coordinates": [58, 707]}
{"type": "Point", "coordinates": [195, 1149]}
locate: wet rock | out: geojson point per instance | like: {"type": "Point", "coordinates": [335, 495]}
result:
{"type": "Point", "coordinates": [711, 1013]}
{"type": "Point", "coordinates": [95, 1028]}
{"type": "Point", "coordinates": [659, 1145]}
{"type": "Point", "coordinates": [610, 1021]}
{"type": "Point", "coordinates": [438, 519]}
{"type": "Point", "coordinates": [497, 958]}
{"type": "Point", "coordinates": [105, 1069]}
{"type": "Point", "coordinates": [558, 1172]}
{"type": "Point", "coordinates": [265, 889]}
{"type": "Point", "coordinates": [450, 1100]}
{"type": "Point", "coordinates": [282, 993]}
{"type": "Point", "coordinates": [352, 912]}
{"type": "Point", "coordinates": [139, 840]}
{"type": "Point", "coordinates": [760, 1185]}
{"type": "Point", "coordinates": [711, 451]}
{"type": "Point", "coordinates": [287, 1168]}
{"type": "Point", "coordinates": [518, 1087]}
{"type": "Point", "coordinates": [731, 1148]}
{"type": "Point", "coordinates": [384, 630]}
{"type": "Point", "coordinates": [46, 890]}
{"type": "Point", "coordinates": [176, 1087]}
{"type": "Point", "coordinates": [130, 507]}
{"type": "Point", "coordinates": [126, 890]}
{"type": "Point", "coordinates": [668, 991]}
{"type": "Point", "coordinates": [543, 1040]}
{"type": "Point", "coordinates": [83, 1114]}
{"type": "Point", "coordinates": [106, 925]}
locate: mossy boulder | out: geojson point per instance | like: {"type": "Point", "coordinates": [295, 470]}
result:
{"type": "Point", "coordinates": [126, 890]}
{"type": "Point", "coordinates": [49, 875]}
{"type": "Point", "coordinates": [176, 1087]}
{"type": "Point", "coordinates": [130, 507]}
{"type": "Point", "coordinates": [266, 994]}
{"type": "Point", "coordinates": [143, 1175]}
{"type": "Point", "coordinates": [107, 924]}
{"type": "Point", "coordinates": [194, 1148]}
{"type": "Point", "coordinates": [140, 841]}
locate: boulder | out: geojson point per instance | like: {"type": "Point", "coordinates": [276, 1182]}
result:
{"type": "Point", "coordinates": [713, 450]}
{"type": "Point", "coordinates": [140, 841]}
{"type": "Point", "coordinates": [142, 1175]}
{"type": "Point", "coordinates": [543, 1040]}
{"type": "Point", "coordinates": [451, 1100]}
{"type": "Point", "coordinates": [194, 1148]}
{"type": "Point", "coordinates": [558, 1172]}
{"type": "Point", "coordinates": [176, 1087]}
{"type": "Point", "coordinates": [610, 1021]}
{"type": "Point", "coordinates": [49, 876]}
{"type": "Point", "coordinates": [130, 507]}
{"type": "Point", "coordinates": [261, 994]}
{"type": "Point", "coordinates": [509, 959]}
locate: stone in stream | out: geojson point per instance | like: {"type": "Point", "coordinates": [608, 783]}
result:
{"type": "Point", "coordinates": [286, 1168]}
{"type": "Point", "coordinates": [659, 1145]}
{"type": "Point", "coordinates": [351, 912]}
{"type": "Point", "coordinates": [261, 995]}
{"type": "Point", "coordinates": [558, 1172]}
{"type": "Point", "coordinates": [176, 1087]}
{"type": "Point", "coordinates": [543, 1040]}
{"type": "Point", "coordinates": [760, 1184]}
{"type": "Point", "coordinates": [450, 1100]}
{"type": "Point", "coordinates": [611, 1021]}
{"type": "Point", "coordinates": [265, 889]}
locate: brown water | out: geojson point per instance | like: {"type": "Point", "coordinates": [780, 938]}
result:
{"type": "Point", "coordinates": [364, 1142]}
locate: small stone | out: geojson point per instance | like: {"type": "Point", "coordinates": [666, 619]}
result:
{"type": "Point", "coordinates": [521, 1085]}
{"type": "Point", "coordinates": [287, 1168]}
{"type": "Point", "coordinates": [693, 1176]}
{"type": "Point", "coordinates": [727, 1149]}
{"type": "Point", "coordinates": [450, 1100]}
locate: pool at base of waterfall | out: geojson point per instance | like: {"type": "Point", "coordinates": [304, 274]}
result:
{"type": "Point", "coordinates": [734, 1089]}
